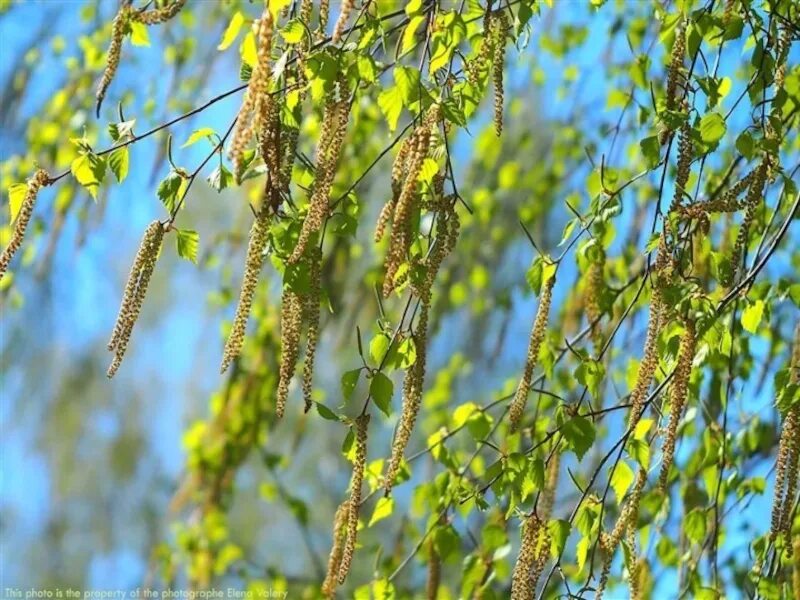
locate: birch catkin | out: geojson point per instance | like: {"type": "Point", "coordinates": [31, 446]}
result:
{"type": "Point", "coordinates": [499, 33]}
{"type": "Point", "coordinates": [159, 15]}
{"type": "Point", "coordinates": [118, 28]}
{"type": "Point", "coordinates": [678, 394]}
{"type": "Point", "coordinates": [755, 194]}
{"type": "Point", "coordinates": [534, 344]}
{"type": "Point", "coordinates": [337, 549]}
{"type": "Point", "coordinates": [533, 552]}
{"type": "Point", "coordinates": [311, 313]}
{"type": "Point", "coordinates": [254, 261]}
{"type": "Point", "coordinates": [40, 178]}
{"type": "Point", "coordinates": [341, 22]}
{"type": "Point", "coordinates": [135, 290]}
{"type": "Point", "coordinates": [355, 496]}
{"type": "Point", "coordinates": [434, 572]}
{"type": "Point", "coordinates": [788, 459]}
{"type": "Point", "coordinates": [291, 324]}
{"type": "Point", "coordinates": [256, 96]}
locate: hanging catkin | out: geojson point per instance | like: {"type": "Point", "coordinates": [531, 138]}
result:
{"type": "Point", "coordinates": [324, 15]}
{"type": "Point", "coordinates": [291, 324]}
{"type": "Point", "coordinates": [434, 571]}
{"type": "Point", "coordinates": [592, 292]}
{"type": "Point", "coordinates": [40, 178]}
{"type": "Point", "coordinates": [534, 344]}
{"type": "Point", "coordinates": [533, 552]}
{"type": "Point", "coordinates": [329, 147]}
{"type": "Point", "coordinates": [786, 464]}
{"type": "Point", "coordinates": [647, 367]}
{"type": "Point", "coordinates": [755, 194]}
{"type": "Point", "coordinates": [158, 15]}
{"type": "Point", "coordinates": [135, 290]}
{"type": "Point", "coordinates": [256, 96]}
{"type": "Point", "coordinates": [311, 304]}
{"type": "Point", "coordinates": [678, 394]}
{"type": "Point", "coordinates": [499, 33]}
{"type": "Point", "coordinates": [675, 71]}
{"type": "Point", "coordinates": [341, 22]}
{"type": "Point", "coordinates": [337, 548]}
{"type": "Point", "coordinates": [355, 496]}
{"type": "Point", "coordinates": [254, 260]}
{"type": "Point", "coordinates": [475, 67]}
{"type": "Point", "coordinates": [118, 27]}
{"type": "Point", "coordinates": [628, 519]}
{"type": "Point", "coordinates": [414, 380]}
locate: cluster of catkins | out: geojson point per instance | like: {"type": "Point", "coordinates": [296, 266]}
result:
{"type": "Point", "coordinates": [329, 148]}
{"type": "Point", "coordinates": [135, 290]}
{"type": "Point", "coordinates": [538, 332]}
{"type": "Point", "coordinates": [678, 395]}
{"type": "Point", "coordinates": [533, 552]}
{"type": "Point", "coordinates": [404, 202]}
{"type": "Point", "coordinates": [35, 183]}
{"type": "Point", "coordinates": [297, 309]}
{"type": "Point", "coordinates": [788, 460]}
{"type": "Point", "coordinates": [414, 380]}
{"type": "Point", "coordinates": [345, 526]}
{"type": "Point", "coordinates": [121, 26]}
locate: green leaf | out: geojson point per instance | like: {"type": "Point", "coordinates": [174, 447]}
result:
{"type": "Point", "coordinates": [231, 31]}
{"type": "Point", "coordinates": [746, 145]}
{"type": "Point", "coordinates": [695, 525]}
{"type": "Point", "coordinates": [293, 32]}
{"type": "Point", "coordinates": [139, 35]}
{"type": "Point", "coordinates": [712, 128]}
{"type": "Point", "coordinates": [220, 178]}
{"type": "Point", "coordinates": [325, 412]}
{"type": "Point", "coordinates": [751, 316]}
{"type": "Point", "coordinates": [383, 509]}
{"type": "Point", "coordinates": [390, 101]}
{"type": "Point", "coordinates": [118, 163]}
{"type": "Point", "coordinates": [187, 243]}
{"type": "Point", "coordinates": [428, 171]}
{"type": "Point", "coordinates": [407, 353]}
{"type": "Point", "coordinates": [408, 82]}
{"type": "Point", "coordinates": [198, 135]}
{"type": "Point", "coordinates": [168, 190]}
{"type": "Point", "coordinates": [559, 532]}
{"type": "Point", "coordinates": [16, 195]}
{"type": "Point", "coordinates": [621, 480]}
{"type": "Point", "coordinates": [89, 170]}
{"type": "Point", "coordinates": [381, 389]}
{"type": "Point", "coordinates": [651, 149]}
{"type": "Point", "coordinates": [580, 434]}
{"type": "Point", "coordinates": [349, 383]}
{"type": "Point", "coordinates": [248, 50]}
{"type": "Point", "coordinates": [378, 347]}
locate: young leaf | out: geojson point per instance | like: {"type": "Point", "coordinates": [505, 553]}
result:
{"type": "Point", "coordinates": [198, 135]}
{"type": "Point", "coordinates": [349, 383]}
{"type": "Point", "coordinates": [231, 31]}
{"type": "Point", "coordinates": [381, 389]}
{"type": "Point", "coordinates": [118, 163]}
{"type": "Point", "coordinates": [382, 510]}
{"type": "Point", "coordinates": [187, 243]}
{"type": "Point", "coordinates": [16, 194]}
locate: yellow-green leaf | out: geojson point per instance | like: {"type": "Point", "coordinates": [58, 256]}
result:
{"type": "Point", "coordinates": [231, 31]}
{"type": "Point", "coordinates": [139, 36]}
{"type": "Point", "coordinates": [198, 135]}
{"type": "Point", "coordinates": [248, 49]}
{"type": "Point", "coordinates": [382, 510]}
{"type": "Point", "coordinates": [118, 162]}
{"type": "Point", "coordinates": [751, 316]}
{"type": "Point", "coordinates": [187, 243]}
{"type": "Point", "coordinates": [16, 194]}
{"type": "Point", "coordinates": [621, 480]}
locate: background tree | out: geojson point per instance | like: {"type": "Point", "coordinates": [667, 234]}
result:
{"type": "Point", "coordinates": [537, 261]}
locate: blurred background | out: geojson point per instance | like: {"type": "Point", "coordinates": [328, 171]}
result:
{"type": "Point", "coordinates": [89, 465]}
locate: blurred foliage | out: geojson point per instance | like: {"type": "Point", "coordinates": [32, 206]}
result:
{"type": "Point", "coordinates": [644, 189]}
